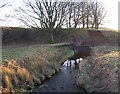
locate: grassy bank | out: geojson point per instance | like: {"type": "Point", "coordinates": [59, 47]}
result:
{"type": "Point", "coordinates": [100, 73]}
{"type": "Point", "coordinates": [28, 59]}
{"type": "Point", "coordinates": [29, 36]}
{"type": "Point", "coordinates": [26, 67]}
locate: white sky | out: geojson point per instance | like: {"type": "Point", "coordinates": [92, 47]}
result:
{"type": "Point", "coordinates": [110, 5]}
{"type": "Point", "coordinates": [112, 13]}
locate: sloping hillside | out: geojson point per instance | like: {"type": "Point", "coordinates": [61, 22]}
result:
{"type": "Point", "coordinates": [26, 36]}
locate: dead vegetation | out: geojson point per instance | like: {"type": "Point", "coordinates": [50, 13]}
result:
{"type": "Point", "coordinates": [31, 70]}
{"type": "Point", "coordinates": [100, 73]}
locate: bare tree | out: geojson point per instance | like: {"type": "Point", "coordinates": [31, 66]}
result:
{"type": "Point", "coordinates": [51, 14]}
{"type": "Point", "coordinates": [83, 14]}
{"type": "Point", "coordinates": [87, 14]}
{"type": "Point", "coordinates": [69, 16]}
{"type": "Point", "coordinates": [77, 14]}
{"type": "Point", "coordinates": [3, 3]}
{"type": "Point", "coordinates": [98, 12]}
{"type": "Point", "coordinates": [43, 14]}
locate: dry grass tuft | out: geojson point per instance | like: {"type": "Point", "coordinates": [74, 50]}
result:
{"type": "Point", "coordinates": [30, 70]}
{"type": "Point", "coordinates": [100, 73]}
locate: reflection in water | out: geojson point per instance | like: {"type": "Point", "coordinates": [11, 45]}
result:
{"type": "Point", "coordinates": [64, 80]}
{"type": "Point", "coordinates": [71, 63]}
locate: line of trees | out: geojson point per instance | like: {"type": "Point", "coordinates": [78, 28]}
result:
{"type": "Point", "coordinates": [51, 14]}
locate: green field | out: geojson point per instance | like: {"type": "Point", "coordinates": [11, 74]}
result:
{"type": "Point", "coordinates": [16, 52]}
{"type": "Point", "coordinates": [13, 52]}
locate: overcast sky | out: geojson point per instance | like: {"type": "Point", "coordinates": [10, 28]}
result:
{"type": "Point", "coordinates": [110, 5]}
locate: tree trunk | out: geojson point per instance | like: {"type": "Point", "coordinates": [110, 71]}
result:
{"type": "Point", "coordinates": [51, 39]}
{"type": "Point", "coordinates": [75, 26]}
{"type": "Point", "coordinates": [87, 22]}
{"type": "Point", "coordinates": [83, 22]}
{"type": "Point", "coordinates": [92, 25]}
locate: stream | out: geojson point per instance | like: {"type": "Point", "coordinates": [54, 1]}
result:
{"type": "Point", "coordinates": [63, 81]}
